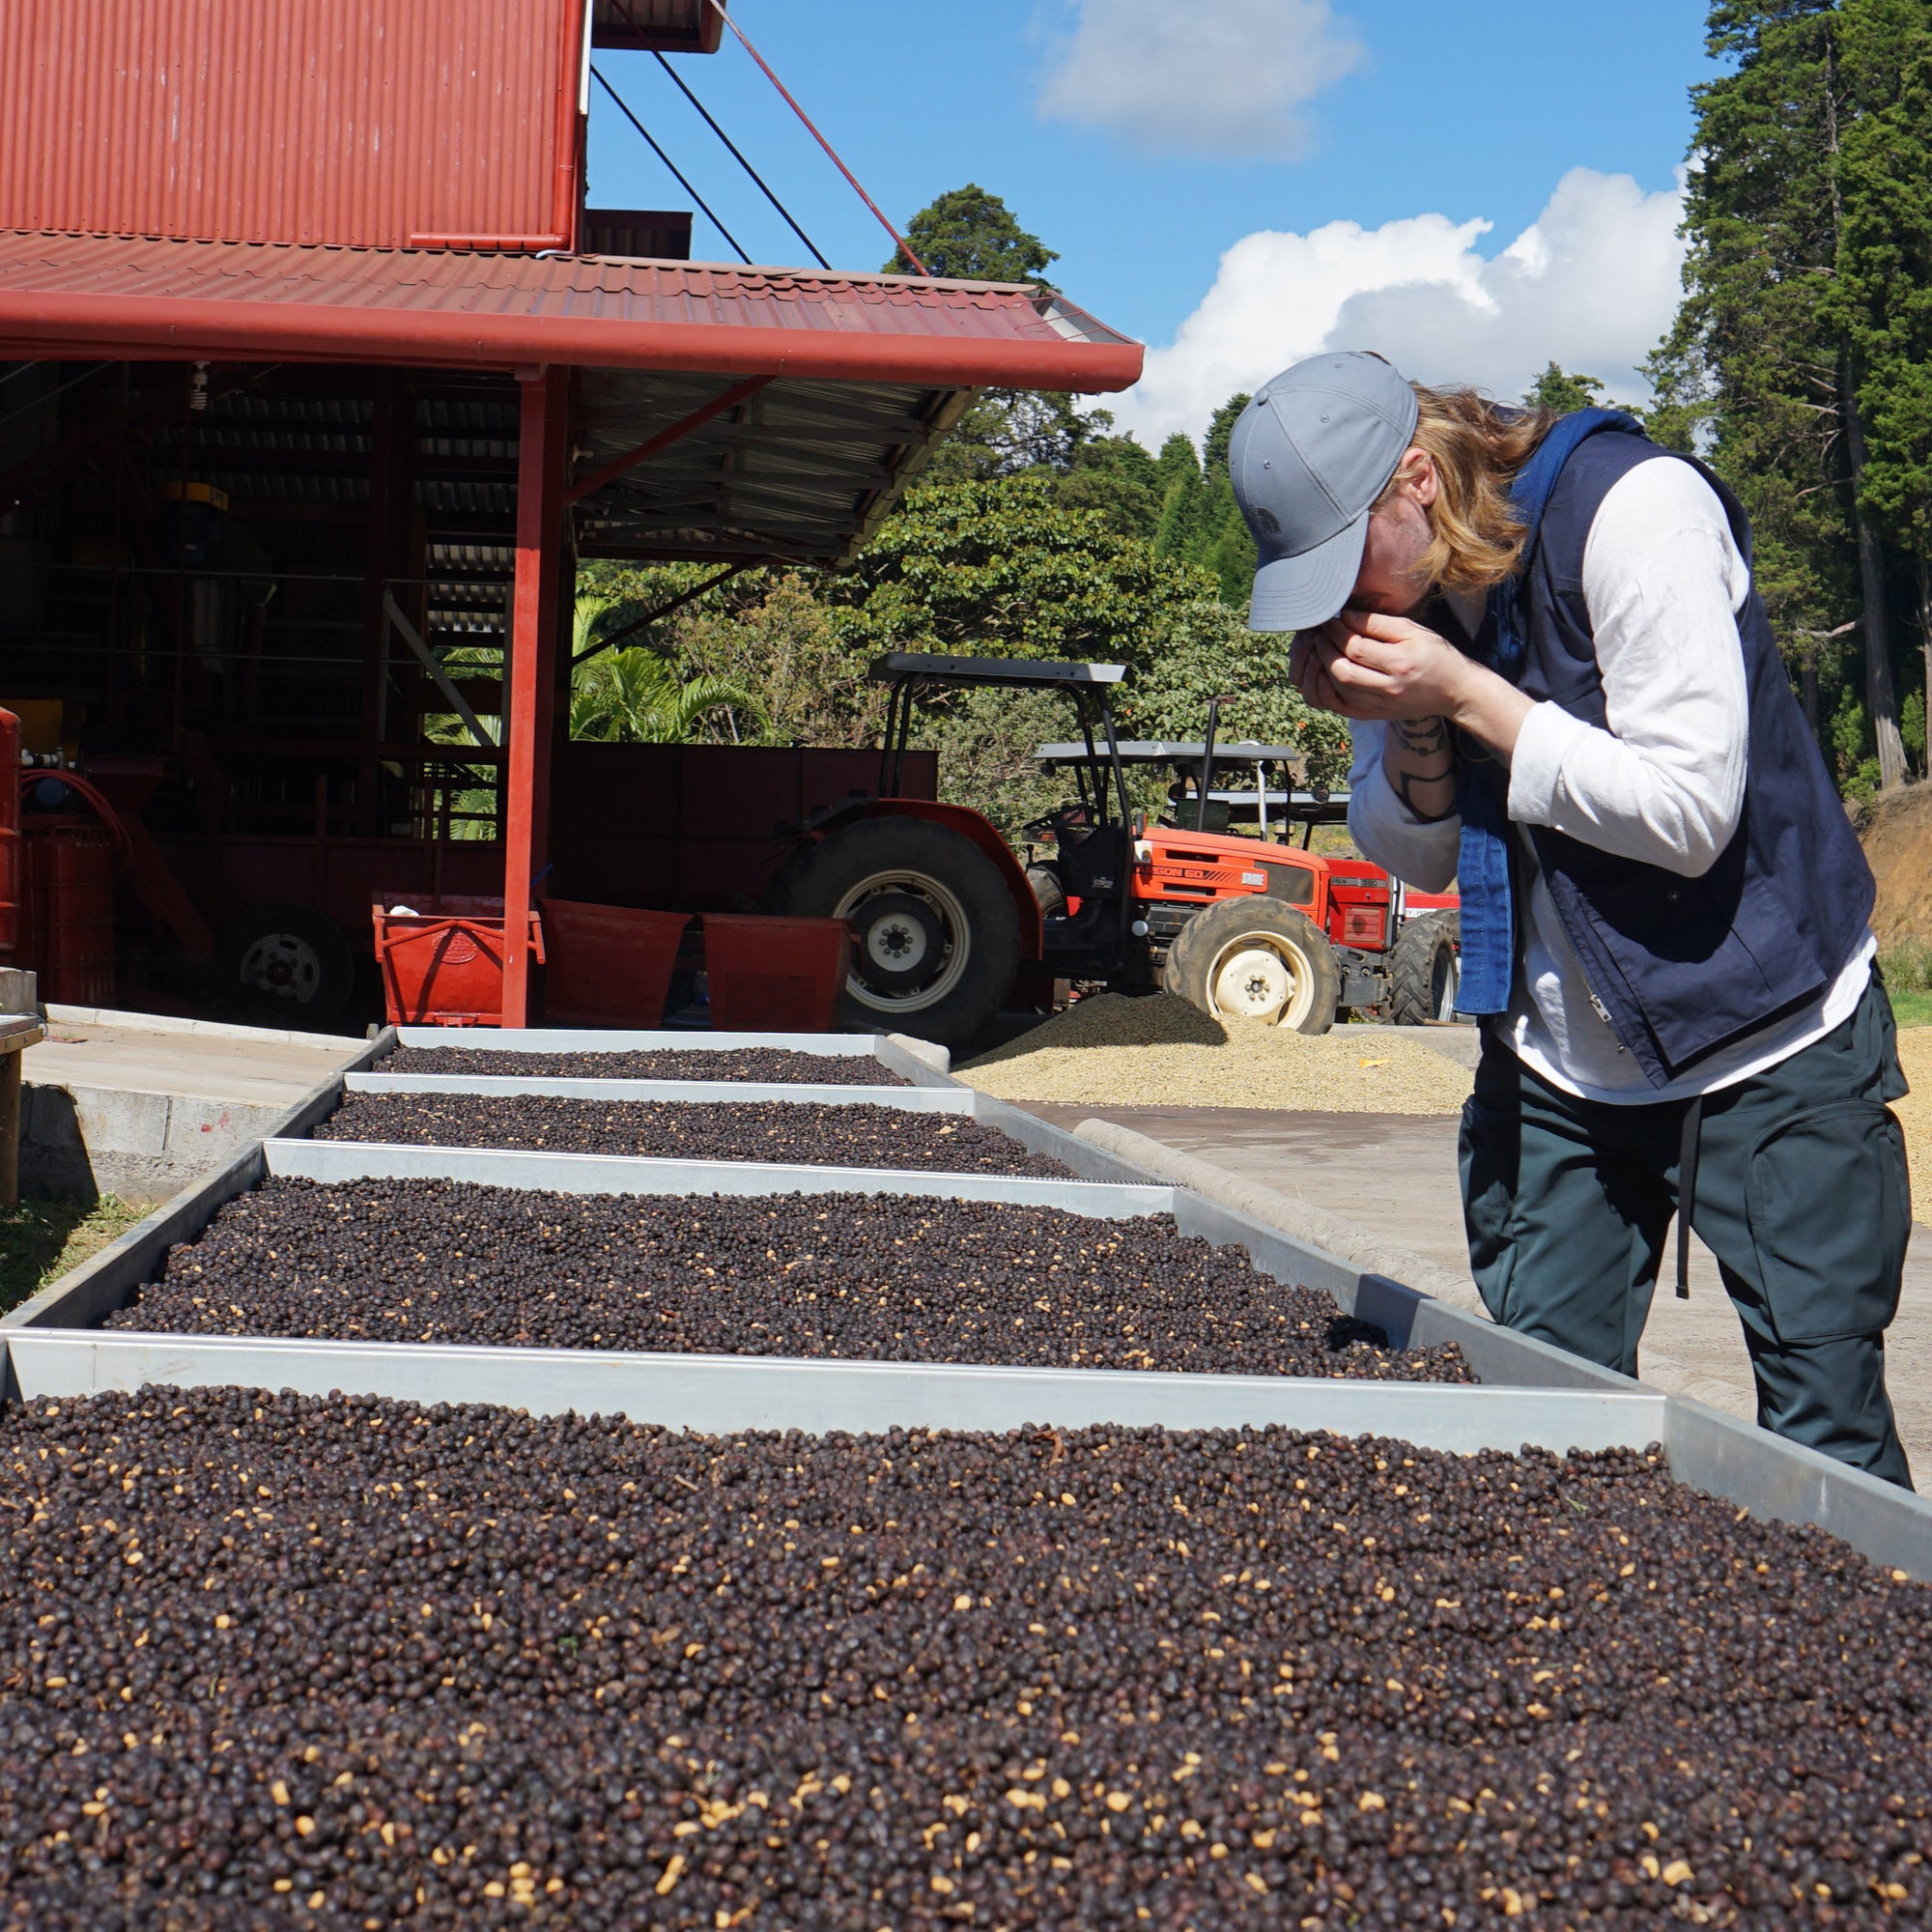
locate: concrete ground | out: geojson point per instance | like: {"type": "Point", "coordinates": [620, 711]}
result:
{"type": "Point", "coordinates": [138, 1105]}
{"type": "Point", "coordinates": [1394, 1175]}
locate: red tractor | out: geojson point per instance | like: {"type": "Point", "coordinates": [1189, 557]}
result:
{"type": "Point", "coordinates": [951, 925]}
{"type": "Point", "coordinates": [1246, 925]}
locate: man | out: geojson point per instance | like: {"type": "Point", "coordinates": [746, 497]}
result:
{"type": "Point", "coordinates": [1564, 695]}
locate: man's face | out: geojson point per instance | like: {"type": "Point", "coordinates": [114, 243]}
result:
{"type": "Point", "coordinates": [1391, 580]}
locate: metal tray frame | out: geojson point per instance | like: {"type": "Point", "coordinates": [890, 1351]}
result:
{"type": "Point", "coordinates": [908, 1100]}
{"type": "Point", "coordinates": [729, 1394]}
{"type": "Point", "coordinates": [1531, 1394]}
{"type": "Point", "coordinates": [894, 1052]}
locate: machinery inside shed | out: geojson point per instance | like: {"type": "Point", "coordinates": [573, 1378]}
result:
{"type": "Point", "coordinates": [266, 610]}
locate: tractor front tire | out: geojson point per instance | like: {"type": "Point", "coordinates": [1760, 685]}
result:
{"type": "Point", "coordinates": [1424, 969]}
{"type": "Point", "coordinates": [938, 935]}
{"type": "Point", "coordinates": [1256, 959]}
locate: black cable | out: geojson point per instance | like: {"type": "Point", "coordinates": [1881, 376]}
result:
{"type": "Point", "coordinates": [670, 165]}
{"type": "Point", "coordinates": [678, 83]}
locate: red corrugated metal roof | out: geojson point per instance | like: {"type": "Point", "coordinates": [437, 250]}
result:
{"type": "Point", "coordinates": [77, 296]}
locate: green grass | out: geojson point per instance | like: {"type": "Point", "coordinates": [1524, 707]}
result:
{"type": "Point", "coordinates": [1908, 977]}
{"type": "Point", "coordinates": [40, 1241]}
{"type": "Point", "coordinates": [1912, 1010]}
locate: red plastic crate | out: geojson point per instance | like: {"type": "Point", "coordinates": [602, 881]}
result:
{"type": "Point", "coordinates": [775, 974]}
{"type": "Point", "coordinates": [608, 965]}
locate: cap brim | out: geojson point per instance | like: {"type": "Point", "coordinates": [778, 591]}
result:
{"type": "Point", "coordinates": [1293, 592]}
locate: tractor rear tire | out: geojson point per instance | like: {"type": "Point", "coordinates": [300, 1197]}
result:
{"type": "Point", "coordinates": [291, 958]}
{"type": "Point", "coordinates": [1257, 959]}
{"type": "Point", "coordinates": [938, 934]}
{"type": "Point", "coordinates": [1424, 969]}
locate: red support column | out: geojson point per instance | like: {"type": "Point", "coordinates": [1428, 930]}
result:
{"type": "Point", "coordinates": [532, 671]}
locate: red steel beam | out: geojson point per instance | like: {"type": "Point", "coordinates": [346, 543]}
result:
{"type": "Point", "coordinates": [533, 631]}
{"type": "Point", "coordinates": [665, 438]}
{"type": "Point", "coordinates": [73, 325]}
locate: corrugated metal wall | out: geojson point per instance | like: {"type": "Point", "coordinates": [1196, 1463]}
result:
{"type": "Point", "coordinates": [382, 123]}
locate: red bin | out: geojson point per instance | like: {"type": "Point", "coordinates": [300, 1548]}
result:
{"type": "Point", "coordinates": [775, 974]}
{"type": "Point", "coordinates": [607, 966]}
{"type": "Point", "coordinates": [442, 958]}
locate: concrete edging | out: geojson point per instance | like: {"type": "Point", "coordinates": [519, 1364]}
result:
{"type": "Point", "coordinates": [206, 1029]}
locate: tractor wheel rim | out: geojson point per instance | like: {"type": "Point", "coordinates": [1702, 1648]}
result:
{"type": "Point", "coordinates": [283, 965]}
{"type": "Point", "coordinates": [947, 962]}
{"type": "Point", "coordinates": [1446, 981]}
{"type": "Point", "coordinates": [1261, 976]}
{"type": "Point", "coordinates": [898, 944]}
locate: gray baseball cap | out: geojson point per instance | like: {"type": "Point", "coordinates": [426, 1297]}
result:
{"type": "Point", "coordinates": [1308, 457]}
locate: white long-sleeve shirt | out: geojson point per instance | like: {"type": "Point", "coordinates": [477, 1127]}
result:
{"type": "Point", "coordinates": [1662, 783]}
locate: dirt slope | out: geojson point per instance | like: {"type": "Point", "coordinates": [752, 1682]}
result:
{"type": "Point", "coordinates": [1896, 831]}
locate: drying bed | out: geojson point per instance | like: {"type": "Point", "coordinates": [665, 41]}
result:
{"type": "Point", "coordinates": [871, 1277]}
{"type": "Point", "coordinates": [760, 1131]}
{"type": "Point", "coordinates": [349, 1663]}
{"type": "Point", "coordinates": [773, 1063]}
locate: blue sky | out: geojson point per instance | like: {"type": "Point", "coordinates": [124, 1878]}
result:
{"type": "Point", "coordinates": [1103, 141]}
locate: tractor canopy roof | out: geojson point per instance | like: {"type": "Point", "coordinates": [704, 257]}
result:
{"type": "Point", "coordinates": [1014, 674]}
{"type": "Point", "coordinates": [1173, 752]}
{"type": "Point", "coordinates": [1302, 807]}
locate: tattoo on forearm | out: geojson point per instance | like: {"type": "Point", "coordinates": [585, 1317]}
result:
{"type": "Point", "coordinates": [1403, 785]}
{"type": "Point", "coordinates": [1421, 736]}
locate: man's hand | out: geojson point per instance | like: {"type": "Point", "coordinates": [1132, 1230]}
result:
{"type": "Point", "coordinates": [1381, 667]}
{"type": "Point", "coordinates": [1367, 665]}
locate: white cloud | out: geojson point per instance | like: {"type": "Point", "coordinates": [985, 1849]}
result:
{"type": "Point", "coordinates": [1592, 282]}
{"type": "Point", "coordinates": [1217, 77]}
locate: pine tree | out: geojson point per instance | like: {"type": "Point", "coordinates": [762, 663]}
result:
{"type": "Point", "coordinates": [1218, 538]}
{"type": "Point", "coordinates": [1563, 390]}
{"type": "Point", "coordinates": [1762, 347]}
{"type": "Point", "coordinates": [1883, 291]}
{"type": "Point", "coordinates": [1179, 469]}
{"type": "Point", "coordinates": [968, 234]}
{"type": "Point", "coordinates": [1558, 388]}
{"type": "Point", "coordinates": [1220, 431]}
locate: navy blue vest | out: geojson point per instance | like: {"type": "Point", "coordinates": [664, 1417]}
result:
{"type": "Point", "coordinates": [1688, 966]}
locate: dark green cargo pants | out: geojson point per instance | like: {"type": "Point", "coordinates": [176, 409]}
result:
{"type": "Point", "coordinates": [1801, 1191]}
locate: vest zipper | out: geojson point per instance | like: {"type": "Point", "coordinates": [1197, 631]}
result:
{"type": "Point", "coordinates": [1604, 1014]}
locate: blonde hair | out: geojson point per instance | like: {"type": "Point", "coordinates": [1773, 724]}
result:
{"type": "Point", "coordinates": [1477, 446]}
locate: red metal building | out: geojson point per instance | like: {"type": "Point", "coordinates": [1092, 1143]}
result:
{"type": "Point", "coordinates": [310, 389]}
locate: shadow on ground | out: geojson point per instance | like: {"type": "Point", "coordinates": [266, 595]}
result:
{"type": "Point", "coordinates": [41, 1240]}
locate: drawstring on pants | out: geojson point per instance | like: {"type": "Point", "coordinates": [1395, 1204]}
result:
{"type": "Point", "coordinates": [1686, 1191]}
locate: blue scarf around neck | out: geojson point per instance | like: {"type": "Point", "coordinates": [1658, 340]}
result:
{"type": "Point", "coordinates": [1482, 786]}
